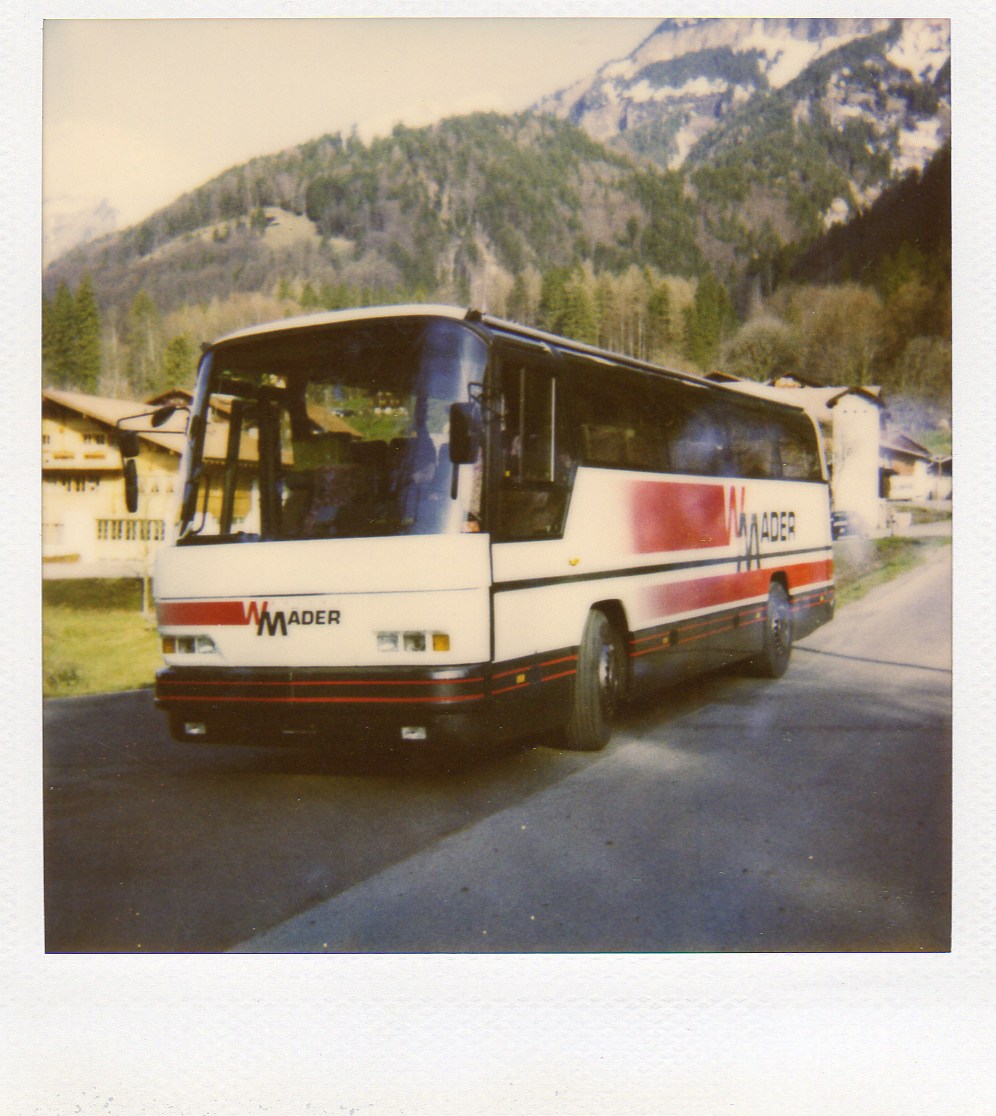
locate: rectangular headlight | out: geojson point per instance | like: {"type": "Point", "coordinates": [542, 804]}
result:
{"type": "Point", "coordinates": [188, 645]}
{"type": "Point", "coordinates": [413, 641]}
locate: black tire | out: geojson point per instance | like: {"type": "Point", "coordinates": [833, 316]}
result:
{"type": "Point", "coordinates": [776, 648]}
{"type": "Point", "coordinates": [599, 684]}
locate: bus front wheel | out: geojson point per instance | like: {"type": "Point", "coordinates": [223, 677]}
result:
{"type": "Point", "coordinates": [598, 684]}
{"type": "Point", "coordinates": [777, 643]}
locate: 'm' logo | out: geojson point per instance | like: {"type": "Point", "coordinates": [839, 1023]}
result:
{"type": "Point", "coordinates": [273, 623]}
{"type": "Point", "coordinates": [774, 526]}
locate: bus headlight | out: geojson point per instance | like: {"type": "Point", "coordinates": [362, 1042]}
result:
{"type": "Point", "coordinates": [413, 641]}
{"type": "Point", "coordinates": [189, 645]}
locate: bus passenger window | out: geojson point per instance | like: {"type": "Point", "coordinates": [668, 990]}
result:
{"type": "Point", "coordinates": [615, 415]}
{"type": "Point", "coordinates": [699, 444]}
{"type": "Point", "coordinates": [754, 446]}
{"type": "Point", "coordinates": [800, 458]}
{"type": "Point", "coordinates": [536, 462]}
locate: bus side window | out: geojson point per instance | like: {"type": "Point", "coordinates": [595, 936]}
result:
{"type": "Point", "coordinates": [754, 446]}
{"type": "Point", "coordinates": [800, 458]}
{"type": "Point", "coordinates": [698, 442]}
{"type": "Point", "coordinates": [536, 463]}
{"type": "Point", "coordinates": [614, 410]}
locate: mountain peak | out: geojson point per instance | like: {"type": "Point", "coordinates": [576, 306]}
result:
{"type": "Point", "coordinates": [69, 221]}
{"type": "Point", "coordinates": [690, 75]}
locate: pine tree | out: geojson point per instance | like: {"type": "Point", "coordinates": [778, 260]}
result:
{"type": "Point", "coordinates": [86, 362]}
{"type": "Point", "coordinates": [659, 334]}
{"type": "Point", "coordinates": [708, 321]}
{"type": "Point", "coordinates": [58, 345]}
{"type": "Point", "coordinates": [517, 304]}
{"type": "Point", "coordinates": [142, 329]}
{"type": "Point", "coordinates": [580, 317]}
{"type": "Point", "coordinates": [553, 299]}
{"type": "Point", "coordinates": [48, 350]}
{"type": "Point", "coordinates": [179, 362]}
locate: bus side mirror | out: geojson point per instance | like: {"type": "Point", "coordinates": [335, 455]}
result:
{"type": "Point", "coordinates": [131, 485]}
{"type": "Point", "coordinates": [163, 414]}
{"type": "Point", "coordinates": [465, 433]}
{"type": "Point", "coordinates": [128, 442]}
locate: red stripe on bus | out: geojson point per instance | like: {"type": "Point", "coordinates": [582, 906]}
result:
{"type": "Point", "coordinates": [706, 592]}
{"type": "Point", "coordinates": [523, 668]}
{"type": "Point", "coordinates": [562, 674]}
{"type": "Point", "coordinates": [320, 682]}
{"type": "Point", "coordinates": [214, 613]}
{"type": "Point", "coordinates": [330, 700]}
{"type": "Point", "coordinates": [678, 516]}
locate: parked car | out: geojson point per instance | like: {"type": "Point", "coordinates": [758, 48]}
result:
{"type": "Point", "coordinates": [844, 523]}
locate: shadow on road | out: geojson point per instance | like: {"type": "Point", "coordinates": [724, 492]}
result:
{"type": "Point", "coordinates": [876, 662]}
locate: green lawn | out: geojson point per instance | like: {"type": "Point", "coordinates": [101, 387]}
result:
{"type": "Point", "coordinates": [95, 639]}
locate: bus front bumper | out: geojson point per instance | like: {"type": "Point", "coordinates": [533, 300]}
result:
{"type": "Point", "coordinates": [261, 706]}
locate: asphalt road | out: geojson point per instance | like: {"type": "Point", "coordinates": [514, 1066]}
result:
{"type": "Point", "coordinates": [808, 814]}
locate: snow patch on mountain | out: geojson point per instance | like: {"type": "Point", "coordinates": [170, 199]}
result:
{"type": "Point", "coordinates": [68, 221]}
{"type": "Point", "coordinates": [786, 46]}
{"type": "Point", "coordinates": [917, 145]}
{"type": "Point", "coordinates": [694, 87]}
{"type": "Point", "coordinates": [922, 49]}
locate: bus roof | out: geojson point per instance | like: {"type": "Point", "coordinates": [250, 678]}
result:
{"type": "Point", "coordinates": [335, 317]}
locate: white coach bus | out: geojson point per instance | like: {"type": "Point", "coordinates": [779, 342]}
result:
{"type": "Point", "coordinates": [432, 524]}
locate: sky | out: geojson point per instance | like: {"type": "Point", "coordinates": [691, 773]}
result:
{"type": "Point", "coordinates": [138, 111]}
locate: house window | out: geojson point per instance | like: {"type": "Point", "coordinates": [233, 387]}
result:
{"type": "Point", "coordinates": [95, 439]}
{"type": "Point", "coordinates": [46, 439]}
{"type": "Point", "coordinates": [131, 530]}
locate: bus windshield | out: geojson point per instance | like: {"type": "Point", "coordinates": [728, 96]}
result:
{"type": "Point", "coordinates": [334, 431]}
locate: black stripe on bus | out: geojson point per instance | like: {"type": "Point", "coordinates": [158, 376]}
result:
{"type": "Point", "coordinates": [642, 571]}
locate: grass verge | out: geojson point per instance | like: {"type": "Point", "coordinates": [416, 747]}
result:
{"type": "Point", "coordinates": [95, 639]}
{"type": "Point", "coordinates": [861, 564]}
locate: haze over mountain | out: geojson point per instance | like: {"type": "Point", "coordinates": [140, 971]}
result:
{"type": "Point", "coordinates": [68, 221]}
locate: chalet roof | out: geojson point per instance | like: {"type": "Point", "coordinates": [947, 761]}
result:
{"type": "Point", "coordinates": [872, 394]}
{"type": "Point", "coordinates": [169, 436]}
{"type": "Point", "coordinates": [902, 446]}
{"type": "Point", "coordinates": [108, 412]}
{"type": "Point", "coordinates": [792, 380]}
{"type": "Point", "coordinates": [818, 401]}
{"type": "Point", "coordinates": [898, 440]}
{"type": "Point", "coordinates": [329, 422]}
{"type": "Point", "coordinates": [176, 395]}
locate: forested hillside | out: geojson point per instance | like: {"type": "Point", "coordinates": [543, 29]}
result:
{"type": "Point", "coordinates": [725, 262]}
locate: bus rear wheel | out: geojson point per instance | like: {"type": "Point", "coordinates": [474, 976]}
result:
{"type": "Point", "coordinates": [598, 684]}
{"type": "Point", "coordinates": [777, 644]}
